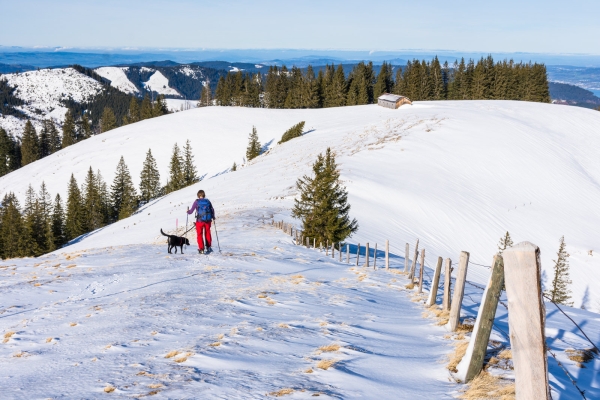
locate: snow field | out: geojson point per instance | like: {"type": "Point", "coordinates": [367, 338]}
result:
{"type": "Point", "coordinates": [160, 84]}
{"type": "Point", "coordinates": [118, 79]}
{"type": "Point", "coordinates": [238, 325]}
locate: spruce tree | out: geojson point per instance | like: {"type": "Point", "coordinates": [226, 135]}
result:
{"type": "Point", "coordinates": [104, 198]}
{"type": "Point", "coordinates": [176, 177]}
{"type": "Point", "coordinates": [504, 243]}
{"type": "Point", "coordinates": [108, 120]}
{"type": "Point", "coordinates": [323, 203]}
{"type": "Point", "coordinates": [294, 132]}
{"type": "Point", "coordinates": [234, 167]}
{"type": "Point", "coordinates": [54, 139]}
{"type": "Point", "coordinates": [92, 202]}
{"type": "Point", "coordinates": [45, 140]}
{"type": "Point", "coordinates": [160, 106]}
{"type": "Point", "coordinates": [146, 109]}
{"type": "Point", "coordinates": [30, 146]}
{"type": "Point", "coordinates": [149, 179]}
{"type": "Point", "coordinates": [8, 157]}
{"type": "Point", "coordinates": [33, 224]}
{"type": "Point", "coordinates": [205, 95]}
{"type": "Point", "coordinates": [310, 88]}
{"type": "Point", "coordinates": [69, 136]}
{"type": "Point", "coordinates": [85, 129]}
{"type": "Point", "coordinates": [44, 199]}
{"type": "Point", "coordinates": [559, 292]}
{"type": "Point", "coordinates": [385, 82]}
{"type": "Point", "coordinates": [58, 223]}
{"type": "Point", "coordinates": [76, 219]}
{"type": "Point", "coordinates": [190, 174]}
{"type": "Point", "coordinates": [122, 191]}
{"type": "Point", "coordinates": [254, 146]}
{"type": "Point", "coordinates": [133, 115]}
{"type": "Point", "coordinates": [12, 241]}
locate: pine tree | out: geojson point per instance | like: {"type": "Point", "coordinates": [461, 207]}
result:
{"type": "Point", "coordinates": [323, 203]}
{"type": "Point", "coordinates": [58, 223]}
{"type": "Point", "coordinates": [205, 95]}
{"type": "Point", "coordinates": [69, 136]}
{"type": "Point", "coordinates": [108, 120]}
{"type": "Point", "coordinates": [30, 146]}
{"type": "Point", "coordinates": [45, 140]}
{"type": "Point", "coordinates": [254, 147]}
{"type": "Point", "coordinates": [85, 129]}
{"type": "Point", "coordinates": [176, 177]}
{"type": "Point", "coordinates": [123, 195]}
{"type": "Point", "coordinates": [234, 167]}
{"type": "Point", "coordinates": [504, 243]}
{"type": "Point", "coordinates": [33, 226]}
{"type": "Point", "coordinates": [149, 179]}
{"type": "Point", "coordinates": [133, 115]}
{"type": "Point", "coordinates": [92, 202]}
{"type": "Point", "coordinates": [46, 241]}
{"type": "Point", "coordinates": [294, 132]}
{"type": "Point", "coordinates": [146, 109]}
{"type": "Point", "coordinates": [310, 88]}
{"type": "Point", "coordinates": [384, 82]}
{"type": "Point", "coordinates": [75, 220]}
{"type": "Point", "coordinates": [8, 148]}
{"type": "Point", "coordinates": [104, 198]}
{"type": "Point", "coordinates": [12, 241]}
{"type": "Point", "coordinates": [559, 292]}
{"type": "Point", "coordinates": [160, 106]}
{"type": "Point", "coordinates": [190, 174]}
{"type": "Point", "coordinates": [54, 139]}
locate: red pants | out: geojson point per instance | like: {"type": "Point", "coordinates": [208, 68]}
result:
{"type": "Point", "coordinates": [200, 227]}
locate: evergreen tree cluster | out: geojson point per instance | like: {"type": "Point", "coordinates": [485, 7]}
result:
{"type": "Point", "coordinates": [43, 225]}
{"type": "Point", "coordinates": [322, 204]}
{"type": "Point", "coordinates": [419, 80]}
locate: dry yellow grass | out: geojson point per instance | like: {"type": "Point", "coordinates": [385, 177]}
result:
{"type": "Point", "coordinates": [7, 336]}
{"type": "Point", "coordinates": [362, 277]}
{"type": "Point", "coordinates": [172, 354]}
{"type": "Point", "coordinates": [233, 331]}
{"type": "Point", "coordinates": [323, 323]}
{"type": "Point", "coordinates": [271, 302]}
{"type": "Point", "coordinates": [21, 354]}
{"type": "Point", "coordinates": [88, 315]}
{"type": "Point", "coordinates": [215, 344]}
{"type": "Point", "coordinates": [326, 364]}
{"type": "Point", "coordinates": [262, 296]}
{"type": "Point", "coordinates": [580, 356]}
{"type": "Point", "coordinates": [48, 340]}
{"type": "Point", "coordinates": [180, 359]}
{"type": "Point", "coordinates": [220, 336]}
{"type": "Point", "coordinates": [410, 286]}
{"type": "Point", "coordinates": [282, 392]}
{"type": "Point", "coordinates": [330, 347]}
{"type": "Point", "coordinates": [485, 386]}
{"type": "Point", "coordinates": [152, 393]}
{"type": "Point", "coordinates": [154, 333]}
{"type": "Point", "coordinates": [37, 284]}
{"type": "Point", "coordinates": [155, 385]}
{"type": "Point", "coordinates": [73, 324]}
{"type": "Point", "coordinates": [505, 354]}
{"type": "Point", "coordinates": [309, 371]}
{"type": "Point", "coordinates": [109, 389]}
{"type": "Point", "coordinates": [259, 329]}
{"type": "Point", "coordinates": [284, 326]}
{"type": "Point", "coordinates": [464, 328]}
{"type": "Point", "coordinates": [71, 266]}
{"type": "Point", "coordinates": [454, 358]}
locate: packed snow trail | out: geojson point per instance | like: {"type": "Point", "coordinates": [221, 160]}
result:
{"type": "Point", "coordinates": [248, 323]}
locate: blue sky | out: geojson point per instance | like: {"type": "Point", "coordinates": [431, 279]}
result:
{"type": "Point", "coordinates": [549, 26]}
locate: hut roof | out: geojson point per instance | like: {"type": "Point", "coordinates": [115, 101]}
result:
{"type": "Point", "coordinates": [390, 97]}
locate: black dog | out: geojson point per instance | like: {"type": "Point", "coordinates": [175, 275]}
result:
{"type": "Point", "coordinates": [175, 241]}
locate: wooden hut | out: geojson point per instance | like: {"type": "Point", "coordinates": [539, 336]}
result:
{"type": "Point", "coordinates": [392, 101]}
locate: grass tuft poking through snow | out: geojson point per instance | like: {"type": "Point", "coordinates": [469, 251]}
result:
{"type": "Point", "coordinates": [109, 389]}
{"type": "Point", "coordinates": [330, 347]}
{"type": "Point", "coordinates": [7, 336]}
{"type": "Point", "coordinates": [487, 386]}
{"type": "Point", "coordinates": [326, 364]}
{"type": "Point", "coordinates": [460, 349]}
{"type": "Point", "coordinates": [172, 354]}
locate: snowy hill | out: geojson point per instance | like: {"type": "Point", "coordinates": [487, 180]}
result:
{"type": "Point", "coordinates": [42, 91]}
{"type": "Point", "coordinates": [456, 175]}
{"type": "Point", "coordinates": [118, 79]}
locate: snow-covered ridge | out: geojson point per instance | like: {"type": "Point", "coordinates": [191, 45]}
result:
{"type": "Point", "coordinates": [118, 79]}
{"type": "Point", "coordinates": [456, 174]}
{"type": "Point", "coordinates": [160, 84]}
{"type": "Point", "coordinates": [43, 90]}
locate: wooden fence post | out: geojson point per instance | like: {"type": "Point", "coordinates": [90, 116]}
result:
{"type": "Point", "coordinates": [340, 251]}
{"type": "Point", "coordinates": [333, 250]}
{"type": "Point", "coordinates": [421, 271]}
{"type": "Point", "coordinates": [327, 247]}
{"type": "Point", "coordinates": [447, 285]}
{"type": "Point", "coordinates": [387, 254]}
{"type": "Point", "coordinates": [357, 253]}
{"type": "Point", "coordinates": [367, 255]}
{"type": "Point", "coordinates": [472, 363]}
{"type": "Point", "coordinates": [375, 257]}
{"type": "Point", "coordinates": [314, 243]}
{"type": "Point", "coordinates": [347, 253]}
{"type": "Point", "coordinates": [411, 276]}
{"type": "Point", "coordinates": [459, 291]}
{"type": "Point", "coordinates": [406, 260]}
{"type": "Point", "coordinates": [526, 320]}
{"type": "Point", "coordinates": [435, 283]}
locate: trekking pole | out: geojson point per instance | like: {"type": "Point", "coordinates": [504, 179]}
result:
{"type": "Point", "coordinates": [217, 234]}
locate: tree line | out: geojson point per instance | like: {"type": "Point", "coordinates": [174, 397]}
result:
{"type": "Point", "coordinates": [418, 80]}
{"type": "Point", "coordinates": [32, 146]}
{"type": "Point", "coordinates": [43, 225]}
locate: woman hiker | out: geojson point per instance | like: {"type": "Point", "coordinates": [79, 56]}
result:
{"type": "Point", "coordinates": [205, 214]}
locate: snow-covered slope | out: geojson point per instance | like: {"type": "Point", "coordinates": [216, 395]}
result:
{"type": "Point", "coordinates": [160, 84]}
{"type": "Point", "coordinates": [457, 175]}
{"type": "Point", "coordinates": [117, 78]}
{"type": "Point", "coordinates": [43, 91]}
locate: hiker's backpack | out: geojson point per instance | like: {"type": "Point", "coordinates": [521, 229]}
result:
{"type": "Point", "coordinates": [203, 210]}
